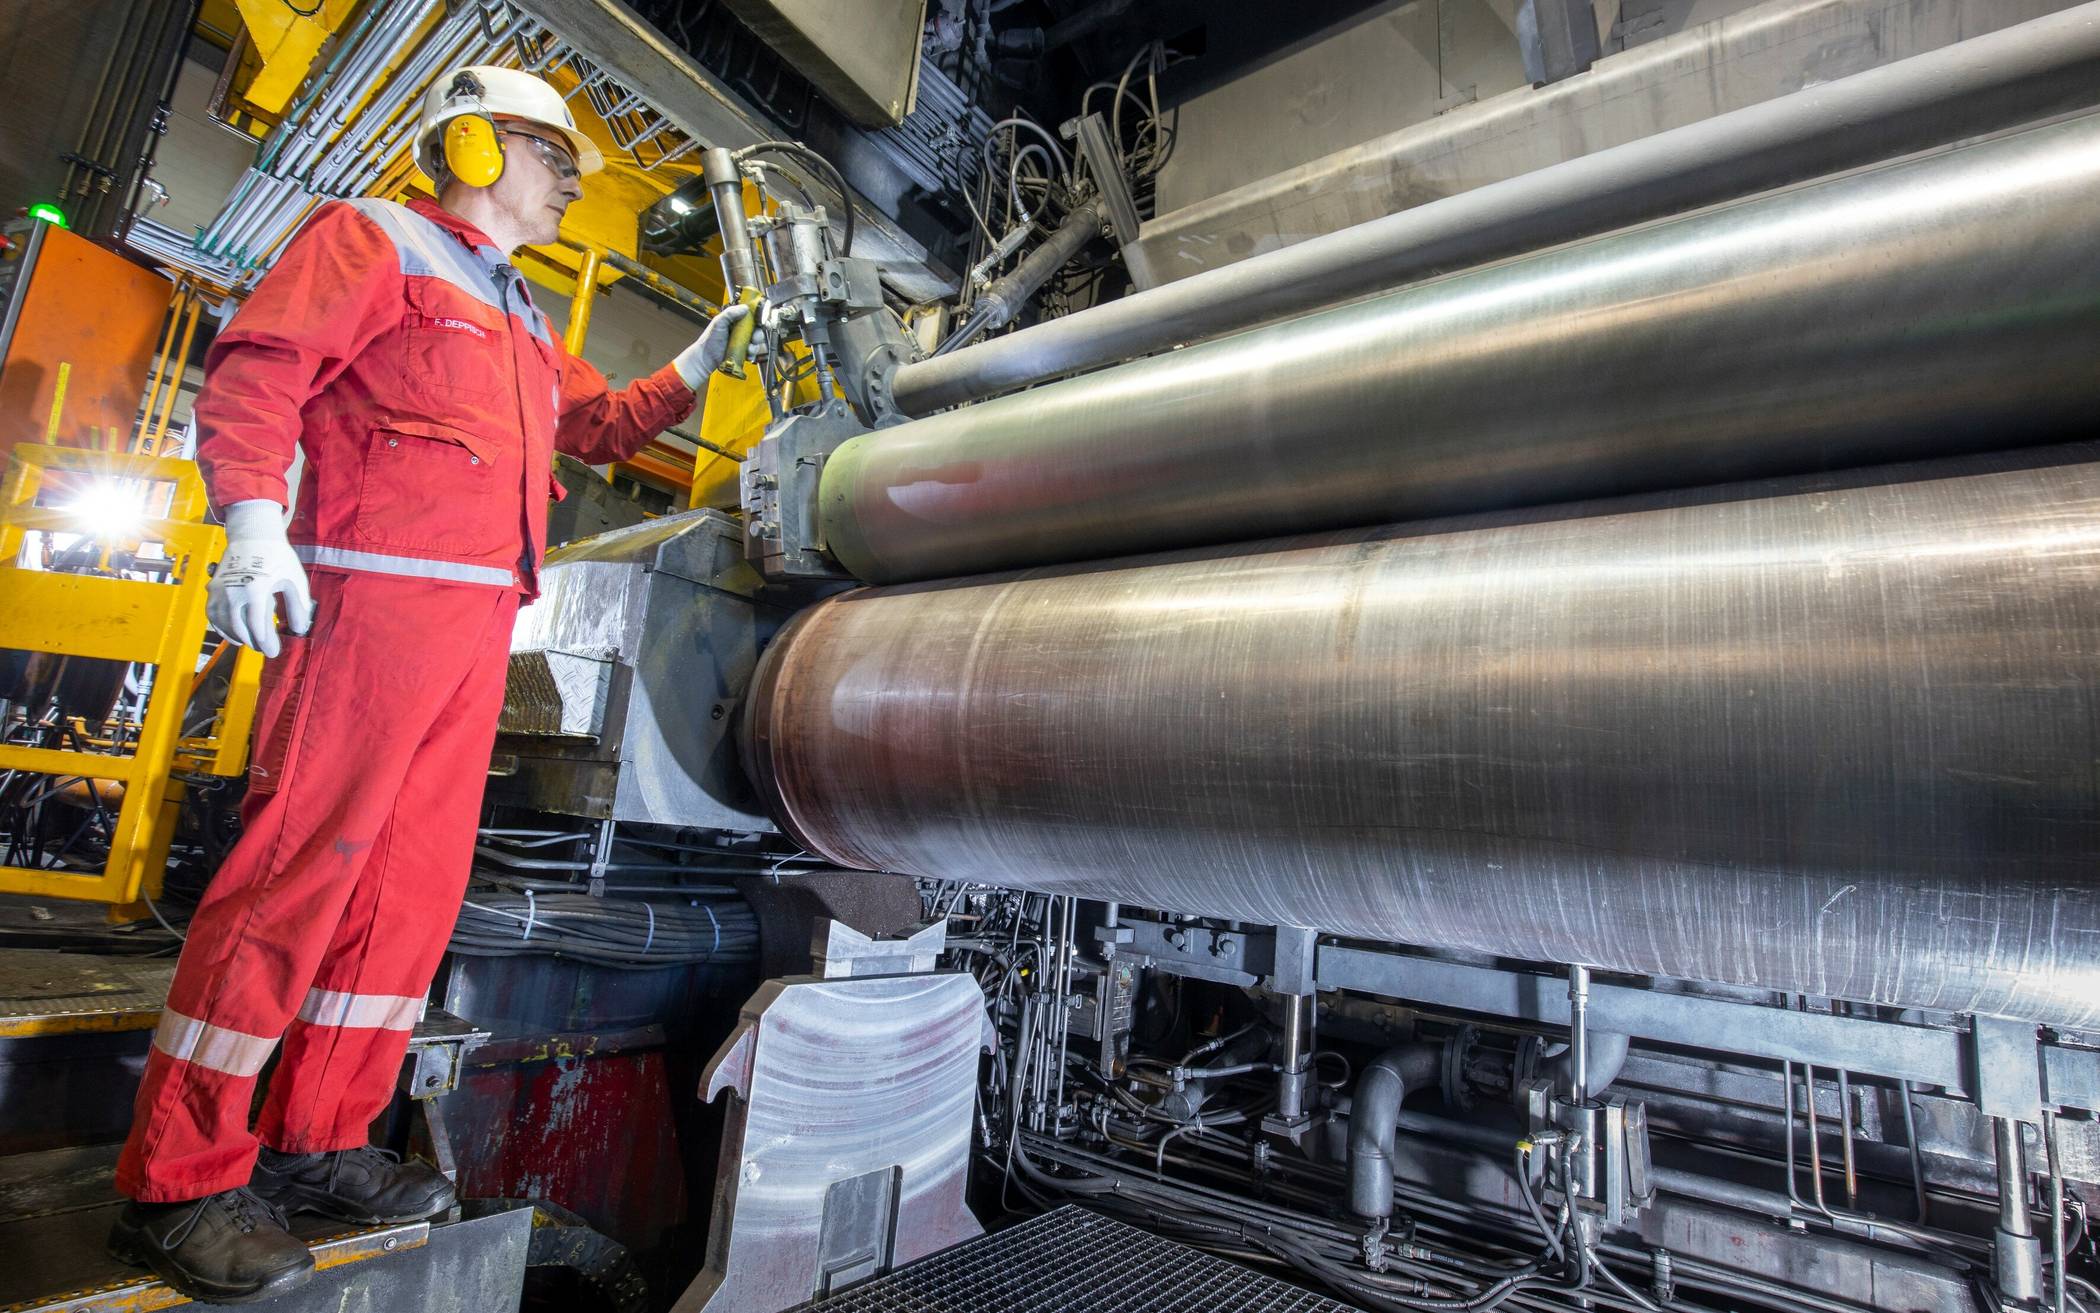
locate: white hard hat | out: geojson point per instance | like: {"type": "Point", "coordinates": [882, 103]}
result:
{"type": "Point", "coordinates": [503, 93]}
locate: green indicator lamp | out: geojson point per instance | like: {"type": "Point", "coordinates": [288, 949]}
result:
{"type": "Point", "coordinates": [49, 213]}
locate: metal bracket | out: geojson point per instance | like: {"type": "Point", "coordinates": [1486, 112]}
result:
{"type": "Point", "coordinates": [778, 487]}
{"type": "Point", "coordinates": [2007, 1065]}
{"type": "Point", "coordinates": [1228, 957]}
{"type": "Point", "coordinates": [1293, 968]}
{"type": "Point", "coordinates": [1558, 38]}
{"type": "Point", "coordinates": [437, 1053]}
{"type": "Point", "coordinates": [840, 951]}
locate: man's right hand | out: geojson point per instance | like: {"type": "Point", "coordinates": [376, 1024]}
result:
{"type": "Point", "coordinates": [258, 565]}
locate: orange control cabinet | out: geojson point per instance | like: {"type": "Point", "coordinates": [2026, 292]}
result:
{"type": "Point", "coordinates": [88, 319]}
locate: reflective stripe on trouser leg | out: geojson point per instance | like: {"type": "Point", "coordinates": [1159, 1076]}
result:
{"type": "Point", "coordinates": [330, 1007]}
{"type": "Point", "coordinates": [229, 1052]}
{"type": "Point", "coordinates": [344, 712]}
{"type": "Point", "coordinates": [342, 1055]}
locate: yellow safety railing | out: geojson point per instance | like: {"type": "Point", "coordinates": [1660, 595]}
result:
{"type": "Point", "coordinates": [98, 616]}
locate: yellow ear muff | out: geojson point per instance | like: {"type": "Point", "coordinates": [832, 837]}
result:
{"type": "Point", "coordinates": [473, 154]}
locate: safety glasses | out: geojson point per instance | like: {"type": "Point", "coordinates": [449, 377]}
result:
{"type": "Point", "coordinates": [557, 159]}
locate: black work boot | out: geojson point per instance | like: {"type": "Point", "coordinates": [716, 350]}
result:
{"type": "Point", "coordinates": [226, 1248]}
{"type": "Point", "coordinates": [364, 1185]}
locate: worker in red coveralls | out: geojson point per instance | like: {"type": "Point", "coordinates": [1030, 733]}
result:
{"type": "Point", "coordinates": [400, 349]}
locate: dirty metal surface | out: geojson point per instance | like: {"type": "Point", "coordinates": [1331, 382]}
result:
{"type": "Point", "coordinates": [57, 1263]}
{"type": "Point", "coordinates": [595, 1133]}
{"type": "Point", "coordinates": [55, 1214]}
{"type": "Point", "coordinates": [45, 992]}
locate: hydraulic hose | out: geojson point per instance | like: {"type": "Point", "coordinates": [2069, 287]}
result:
{"type": "Point", "coordinates": [796, 150]}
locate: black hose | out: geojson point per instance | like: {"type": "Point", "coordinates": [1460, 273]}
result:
{"type": "Point", "coordinates": [978, 321]}
{"type": "Point", "coordinates": [1531, 1201]}
{"type": "Point", "coordinates": [796, 150]}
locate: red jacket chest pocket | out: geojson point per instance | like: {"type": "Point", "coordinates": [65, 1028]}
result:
{"type": "Point", "coordinates": [434, 488]}
{"type": "Point", "coordinates": [453, 348]}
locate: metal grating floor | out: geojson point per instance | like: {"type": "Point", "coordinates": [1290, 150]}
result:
{"type": "Point", "coordinates": [46, 992]}
{"type": "Point", "coordinates": [1074, 1261]}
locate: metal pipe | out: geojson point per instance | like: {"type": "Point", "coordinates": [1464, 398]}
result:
{"type": "Point", "coordinates": [450, 43]}
{"type": "Point", "coordinates": [1844, 1092]}
{"type": "Point", "coordinates": [1815, 1139]}
{"type": "Point", "coordinates": [725, 183]}
{"type": "Point", "coordinates": [176, 306]}
{"type": "Point", "coordinates": [350, 86]}
{"type": "Point", "coordinates": [579, 325]}
{"type": "Point", "coordinates": [2021, 74]}
{"type": "Point", "coordinates": [1937, 305]}
{"type": "Point", "coordinates": [101, 107]}
{"type": "Point", "coordinates": [1579, 1034]}
{"type": "Point", "coordinates": [2013, 1218]}
{"type": "Point", "coordinates": [352, 41]}
{"type": "Point", "coordinates": [1760, 735]}
{"type": "Point", "coordinates": [349, 67]}
{"type": "Point", "coordinates": [2016, 1252]}
{"type": "Point", "coordinates": [2059, 1283]}
{"type": "Point", "coordinates": [660, 285]}
{"type": "Point", "coordinates": [1294, 1072]}
{"type": "Point", "coordinates": [1917, 1152]}
{"type": "Point", "coordinates": [141, 144]}
{"type": "Point", "coordinates": [1067, 949]}
{"type": "Point", "coordinates": [178, 366]}
{"type": "Point", "coordinates": [1374, 1113]}
{"type": "Point", "coordinates": [1720, 1191]}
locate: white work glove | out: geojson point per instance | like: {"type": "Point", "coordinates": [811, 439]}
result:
{"type": "Point", "coordinates": [706, 353]}
{"type": "Point", "coordinates": [258, 565]}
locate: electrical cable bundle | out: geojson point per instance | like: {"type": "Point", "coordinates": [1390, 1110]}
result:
{"type": "Point", "coordinates": [613, 932]}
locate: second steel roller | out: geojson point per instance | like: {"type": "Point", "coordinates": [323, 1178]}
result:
{"type": "Point", "coordinates": [1838, 742]}
{"type": "Point", "coordinates": [1943, 304]}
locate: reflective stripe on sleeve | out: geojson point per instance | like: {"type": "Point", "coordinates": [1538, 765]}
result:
{"type": "Point", "coordinates": [234, 1052]}
{"type": "Point", "coordinates": [413, 567]}
{"type": "Point", "coordinates": [328, 1007]}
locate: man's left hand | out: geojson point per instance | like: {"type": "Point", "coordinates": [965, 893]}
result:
{"type": "Point", "coordinates": [707, 352]}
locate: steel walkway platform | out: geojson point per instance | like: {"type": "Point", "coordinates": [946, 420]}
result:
{"type": "Point", "coordinates": [56, 1208]}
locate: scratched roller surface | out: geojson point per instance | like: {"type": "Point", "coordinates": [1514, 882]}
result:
{"type": "Point", "coordinates": [1838, 737]}
{"type": "Point", "coordinates": [1073, 1261]}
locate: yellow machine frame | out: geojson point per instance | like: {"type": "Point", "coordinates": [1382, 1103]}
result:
{"type": "Point", "coordinates": [158, 623]}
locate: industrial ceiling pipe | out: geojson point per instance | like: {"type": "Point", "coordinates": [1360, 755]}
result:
{"type": "Point", "coordinates": [2024, 73]}
{"type": "Point", "coordinates": [1942, 304]}
{"type": "Point", "coordinates": [1836, 742]}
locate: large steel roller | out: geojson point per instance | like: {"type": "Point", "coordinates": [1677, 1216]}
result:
{"type": "Point", "coordinates": [1840, 740]}
{"type": "Point", "coordinates": [1945, 304]}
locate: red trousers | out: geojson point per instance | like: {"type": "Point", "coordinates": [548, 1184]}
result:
{"type": "Point", "coordinates": [325, 924]}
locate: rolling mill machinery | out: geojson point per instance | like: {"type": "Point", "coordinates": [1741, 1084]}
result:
{"type": "Point", "coordinates": [1537, 751]}
{"type": "Point", "coordinates": [1491, 708]}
